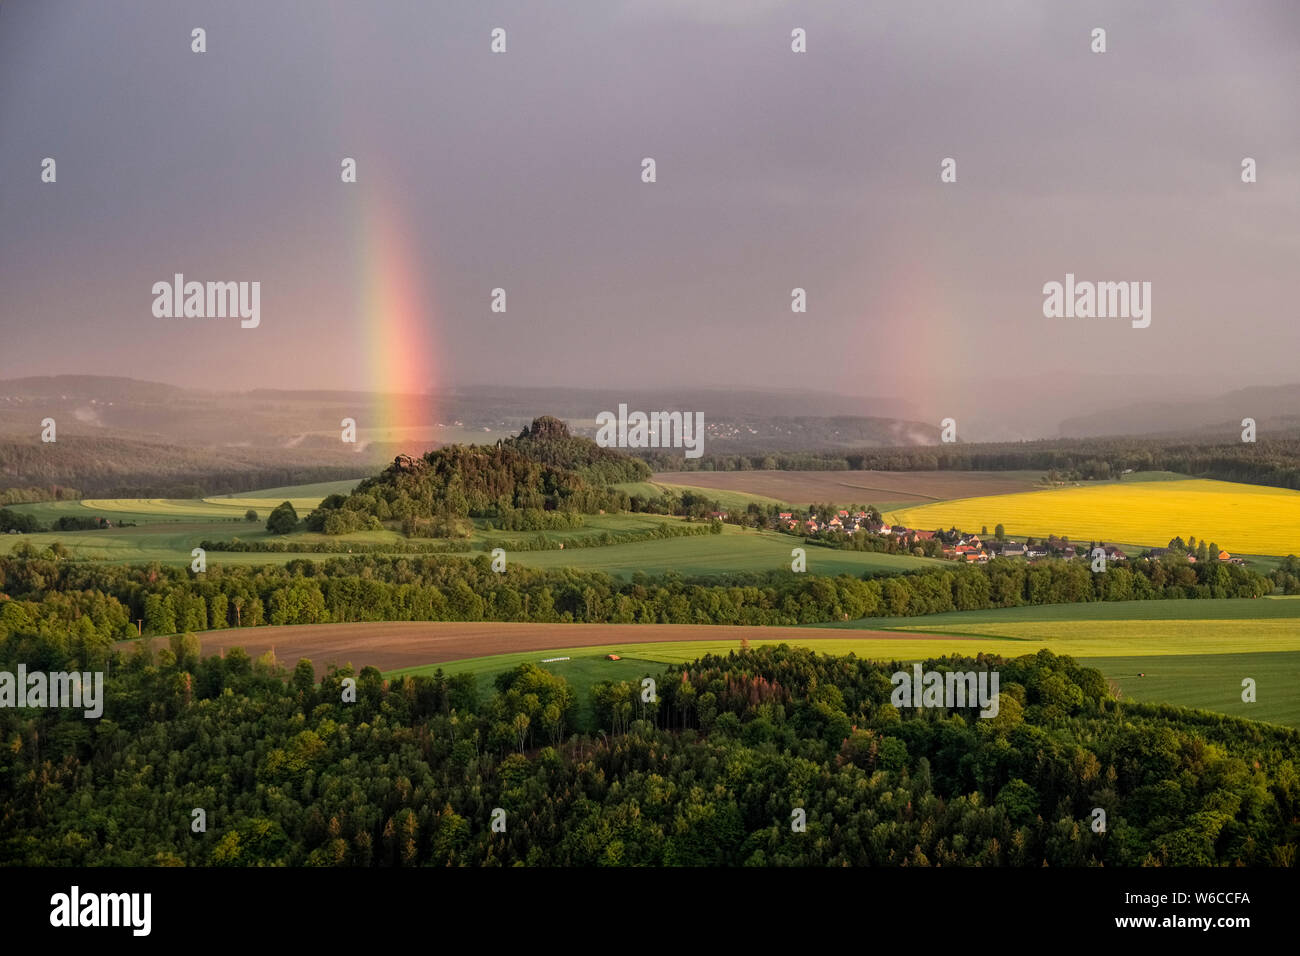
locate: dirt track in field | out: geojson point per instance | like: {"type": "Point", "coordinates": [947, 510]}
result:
{"type": "Point", "coordinates": [392, 645]}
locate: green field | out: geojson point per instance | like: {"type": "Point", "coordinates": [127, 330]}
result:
{"type": "Point", "coordinates": [1233, 608]}
{"type": "Point", "coordinates": [171, 543]}
{"type": "Point", "coordinates": [141, 511]}
{"type": "Point", "coordinates": [166, 530]}
{"type": "Point", "coordinates": [592, 526]}
{"type": "Point", "coordinates": [218, 508]}
{"type": "Point", "coordinates": [311, 494]}
{"type": "Point", "coordinates": [1211, 682]}
{"type": "Point", "coordinates": [1121, 628]}
{"type": "Point", "coordinates": [736, 549]}
{"type": "Point", "coordinates": [1192, 653]}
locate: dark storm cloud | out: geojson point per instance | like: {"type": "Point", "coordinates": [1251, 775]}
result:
{"type": "Point", "coordinates": [775, 170]}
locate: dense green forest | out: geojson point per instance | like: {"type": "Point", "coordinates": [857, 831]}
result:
{"type": "Point", "coordinates": [1266, 462]}
{"type": "Point", "coordinates": [96, 603]}
{"type": "Point", "coordinates": [711, 772]}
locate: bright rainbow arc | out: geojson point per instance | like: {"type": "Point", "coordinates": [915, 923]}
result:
{"type": "Point", "coordinates": [398, 316]}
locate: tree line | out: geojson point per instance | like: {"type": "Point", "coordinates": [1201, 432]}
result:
{"type": "Point", "coordinates": [336, 547]}
{"type": "Point", "coordinates": [26, 496]}
{"type": "Point", "coordinates": [604, 539]}
{"type": "Point", "coordinates": [98, 603]}
{"type": "Point", "coordinates": [25, 523]}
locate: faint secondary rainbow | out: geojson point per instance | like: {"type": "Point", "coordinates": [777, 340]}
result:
{"type": "Point", "coordinates": [914, 321]}
{"type": "Point", "coordinates": [398, 317]}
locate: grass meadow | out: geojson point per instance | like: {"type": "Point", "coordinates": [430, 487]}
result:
{"type": "Point", "coordinates": [166, 530]}
{"type": "Point", "coordinates": [1193, 653]}
{"type": "Point", "coordinates": [736, 549]}
{"type": "Point", "coordinates": [1189, 653]}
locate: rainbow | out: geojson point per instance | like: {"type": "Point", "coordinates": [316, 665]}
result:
{"type": "Point", "coordinates": [397, 314]}
{"type": "Point", "coordinates": [395, 305]}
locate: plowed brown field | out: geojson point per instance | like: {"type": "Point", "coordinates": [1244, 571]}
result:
{"type": "Point", "coordinates": [397, 644]}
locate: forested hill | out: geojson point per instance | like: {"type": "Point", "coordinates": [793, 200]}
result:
{"type": "Point", "coordinates": [544, 468]}
{"type": "Point", "coordinates": [548, 440]}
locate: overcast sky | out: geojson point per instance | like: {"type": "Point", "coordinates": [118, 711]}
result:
{"type": "Point", "coordinates": [775, 170]}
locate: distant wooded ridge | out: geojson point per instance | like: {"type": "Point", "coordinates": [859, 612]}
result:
{"type": "Point", "coordinates": [109, 465]}
{"type": "Point", "coordinates": [1274, 462]}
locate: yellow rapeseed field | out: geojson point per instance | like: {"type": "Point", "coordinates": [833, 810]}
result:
{"type": "Point", "coordinates": [1249, 519]}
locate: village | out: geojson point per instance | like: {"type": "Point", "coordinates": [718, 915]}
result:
{"type": "Point", "coordinates": [834, 525]}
